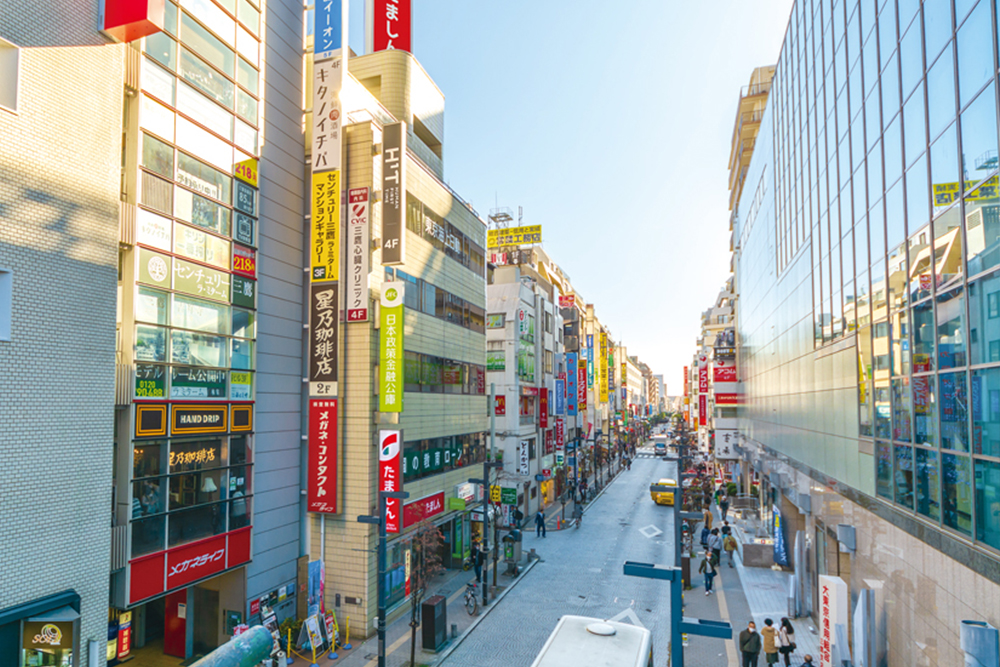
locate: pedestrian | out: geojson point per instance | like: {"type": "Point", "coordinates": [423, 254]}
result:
{"type": "Point", "coordinates": [730, 546]}
{"type": "Point", "coordinates": [808, 662]}
{"type": "Point", "coordinates": [518, 517]}
{"type": "Point", "coordinates": [705, 533]}
{"type": "Point", "coordinates": [707, 518]}
{"type": "Point", "coordinates": [750, 645]}
{"type": "Point", "coordinates": [724, 506]}
{"type": "Point", "coordinates": [786, 641]}
{"type": "Point", "coordinates": [708, 569]}
{"type": "Point", "coordinates": [540, 524]}
{"type": "Point", "coordinates": [770, 636]}
{"type": "Point", "coordinates": [726, 529]}
{"type": "Point", "coordinates": [477, 562]}
{"type": "Point", "coordinates": [715, 544]}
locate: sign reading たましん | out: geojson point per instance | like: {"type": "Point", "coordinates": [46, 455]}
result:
{"type": "Point", "coordinates": [391, 25]}
{"type": "Point", "coordinates": [390, 476]}
{"type": "Point", "coordinates": [322, 485]}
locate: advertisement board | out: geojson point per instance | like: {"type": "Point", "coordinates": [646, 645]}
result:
{"type": "Point", "coordinates": [513, 236]}
{"type": "Point", "coordinates": [324, 321]}
{"type": "Point", "coordinates": [324, 248]}
{"type": "Point", "coordinates": [390, 394]}
{"type": "Point", "coordinates": [358, 255]}
{"type": "Point", "coordinates": [394, 194]}
{"type": "Point", "coordinates": [322, 473]}
{"type": "Point", "coordinates": [392, 25]}
{"type": "Point", "coordinates": [572, 383]}
{"type": "Point", "coordinates": [390, 477]}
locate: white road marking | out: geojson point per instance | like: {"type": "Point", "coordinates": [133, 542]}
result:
{"type": "Point", "coordinates": [650, 531]}
{"type": "Point", "coordinates": [628, 613]}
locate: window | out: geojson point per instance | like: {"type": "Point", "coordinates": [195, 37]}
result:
{"type": "Point", "coordinates": [6, 303]}
{"type": "Point", "coordinates": [10, 66]}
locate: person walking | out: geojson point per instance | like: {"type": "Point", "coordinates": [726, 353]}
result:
{"type": "Point", "coordinates": [730, 546]}
{"type": "Point", "coordinates": [726, 529]}
{"type": "Point", "coordinates": [477, 560]}
{"type": "Point", "coordinates": [715, 544]}
{"type": "Point", "coordinates": [750, 645]}
{"type": "Point", "coordinates": [707, 517]}
{"type": "Point", "coordinates": [724, 505]}
{"type": "Point", "coordinates": [540, 524]}
{"type": "Point", "coordinates": [770, 636]}
{"type": "Point", "coordinates": [786, 641]}
{"type": "Point", "coordinates": [707, 568]}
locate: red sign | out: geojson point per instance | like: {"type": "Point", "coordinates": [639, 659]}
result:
{"type": "Point", "coordinates": [550, 442]}
{"type": "Point", "coordinates": [500, 405]}
{"type": "Point", "coordinates": [547, 473]}
{"type": "Point", "coordinates": [124, 635]}
{"type": "Point", "coordinates": [196, 561]}
{"type": "Point", "coordinates": [389, 475]}
{"type": "Point", "coordinates": [392, 29]}
{"type": "Point", "coordinates": [702, 374]}
{"type": "Point", "coordinates": [543, 408]}
{"type": "Point", "coordinates": [581, 387]}
{"type": "Point", "coordinates": [724, 371]}
{"type": "Point", "coordinates": [423, 509]}
{"type": "Point", "coordinates": [560, 434]}
{"type": "Point", "coordinates": [128, 20]}
{"type": "Point", "coordinates": [244, 262]}
{"type": "Point", "coordinates": [925, 281]}
{"type": "Point", "coordinates": [726, 399]}
{"type": "Point", "coordinates": [322, 456]}
{"type": "Point", "coordinates": [702, 409]}
{"type": "Point", "coordinates": [687, 381]}
{"type": "Point", "coordinates": [567, 300]}
{"type": "Point", "coordinates": [529, 391]}
{"type": "Point", "coordinates": [254, 607]}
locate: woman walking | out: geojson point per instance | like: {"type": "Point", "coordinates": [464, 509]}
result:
{"type": "Point", "coordinates": [786, 641]}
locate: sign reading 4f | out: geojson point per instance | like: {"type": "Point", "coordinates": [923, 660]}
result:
{"type": "Point", "coordinates": [393, 193]}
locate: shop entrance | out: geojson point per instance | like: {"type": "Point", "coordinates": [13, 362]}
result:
{"type": "Point", "coordinates": [175, 624]}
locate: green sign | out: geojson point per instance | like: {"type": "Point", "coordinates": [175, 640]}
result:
{"type": "Point", "coordinates": [150, 381]}
{"type": "Point", "coordinates": [508, 496]}
{"type": "Point", "coordinates": [244, 292]}
{"type": "Point", "coordinates": [390, 348]}
{"type": "Point", "coordinates": [496, 360]}
{"type": "Point", "coordinates": [240, 385]}
{"type": "Point", "coordinates": [197, 383]}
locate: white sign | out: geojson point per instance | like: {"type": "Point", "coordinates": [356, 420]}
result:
{"type": "Point", "coordinates": [833, 611]}
{"type": "Point", "coordinates": [328, 78]}
{"type": "Point", "coordinates": [524, 457]}
{"type": "Point", "coordinates": [725, 443]}
{"type": "Point", "coordinates": [358, 255]}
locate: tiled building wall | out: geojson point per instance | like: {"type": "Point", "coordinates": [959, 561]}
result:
{"type": "Point", "coordinates": [280, 309]}
{"type": "Point", "coordinates": [59, 193]}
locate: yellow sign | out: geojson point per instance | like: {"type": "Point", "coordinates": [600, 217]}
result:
{"type": "Point", "coordinates": [494, 494]}
{"type": "Point", "coordinates": [324, 251]}
{"type": "Point", "coordinates": [605, 379]}
{"type": "Point", "coordinates": [499, 238]}
{"type": "Point", "coordinates": [246, 171]}
{"type": "Point", "coordinates": [946, 193]}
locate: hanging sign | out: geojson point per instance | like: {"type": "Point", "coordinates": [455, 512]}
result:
{"type": "Point", "coordinates": [358, 255]}
{"type": "Point", "coordinates": [322, 491]}
{"type": "Point", "coordinates": [390, 392]}
{"type": "Point", "coordinates": [394, 194]}
{"type": "Point", "coordinates": [390, 475]}
{"type": "Point", "coordinates": [325, 224]}
{"type": "Point", "coordinates": [324, 322]}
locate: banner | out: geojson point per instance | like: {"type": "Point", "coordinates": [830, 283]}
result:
{"type": "Point", "coordinates": [358, 255]}
{"type": "Point", "coordinates": [394, 194]}
{"type": "Point", "coordinates": [702, 409]}
{"type": "Point", "coordinates": [560, 435]}
{"type": "Point", "coordinates": [390, 476]}
{"type": "Point", "coordinates": [511, 236]}
{"type": "Point", "coordinates": [391, 25]}
{"type": "Point", "coordinates": [325, 224]}
{"type": "Point", "coordinates": [582, 384]}
{"type": "Point", "coordinates": [624, 375]}
{"type": "Point", "coordinates": [324, 321]}
{"type": "Point", "coordinates": [500, 405]}
{"type": "Point", "coordinates": [322, 485]}
{"type": "Point", "coordinates": [572, 383]}
{"type": "Point", "coordinates": [543, 408]}
{"type": "Point", "coordinates": [327, 135]}
{"type": "Point", "coordinates": [778, 533]}
{"type": "Point", "coordinates": [687, 381]}
{"type": "Point", "coordinates": [724, 370]}
{"type": "Point", "coordinates": [590, 363]}
{"type": "Point", "coordinates": [390, 385]}
{"type": "Point", "coordinates": [702, 374]}
{"type": "Point", "coordinates": [833, 611]}
{"type": "Point", "coordinates": [567, 300]}
{"type": "Point", "coordinates": [603, 370]}
{"type": "Point", "coordinates": [560, 397]}
{"type": "Point", "coordinates": [329, 28]}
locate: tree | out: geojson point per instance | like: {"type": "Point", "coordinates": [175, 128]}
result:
{"type": "Point", "coordinates": [425, 565]}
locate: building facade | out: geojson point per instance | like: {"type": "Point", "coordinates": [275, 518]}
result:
{"type": "Point", "coordinates": [865, 268]}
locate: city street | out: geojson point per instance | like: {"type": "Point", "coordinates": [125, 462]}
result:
{"type": "Point", "coordinates": [581, 573]}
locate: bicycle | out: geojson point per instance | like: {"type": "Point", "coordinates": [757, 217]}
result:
{"type": "Point", "coordinates": [471, 602]}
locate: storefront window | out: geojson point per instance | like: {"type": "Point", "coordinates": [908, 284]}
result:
{"type": "Point", "coordinates": [901, 410]}
{"type": "Point", "coordinates": [883, 475]}
{"type": "Point", "coordinates": [988, 503]}
{"type": "Point", "coordinates": [985, 399]}
{"type": "Point", "coordinates": [147, 535]}
{"type": "Point", "coordinates": [956, 471]}
{"type": "Point", "coordinates": [954, 412]}
{"type": "Point", "coordinates": [883, 416]}
{"type": "Point", "coordinates": [928, 483]}
{"type": "Point", "coordinates": [904, 475]}
{"type": "Point", "coordinates": [984, 319]}
{"type": "Point", "coordinates": [195, 524]}
{"type": "Point", "coordinates": [924, 410]}
{"type": "Point", "coordinates": [951, 334]}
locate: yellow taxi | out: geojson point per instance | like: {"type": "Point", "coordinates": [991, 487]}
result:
{"type": "Point", "coordinates": [660, 495]}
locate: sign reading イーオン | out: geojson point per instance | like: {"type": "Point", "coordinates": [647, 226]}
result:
{"type": "Point", "coordinates": [390, 369]}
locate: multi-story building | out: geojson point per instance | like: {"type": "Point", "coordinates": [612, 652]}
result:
{"type": "Point", "coordinates": [866, 269]}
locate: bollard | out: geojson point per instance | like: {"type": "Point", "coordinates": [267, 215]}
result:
{"type": "Point", "coordinates": [454, 630]}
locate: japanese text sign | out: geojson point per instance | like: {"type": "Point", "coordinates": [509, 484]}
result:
{"type": "Point", "coordinates": [724, 370]}
{"type": "Point", "coordinates": [393, 193]}
{"type": "Point", "coordinates": [327, 121]}
{"type": "Point", "coordinates": [572, 383]}
{"type": "Point", "coordinates": [390, 476]}
{"type": "Point", "coordinates": [702, 409]}
{"type": "Point", "coordinates": [329, 22]}
{"type": "Point", "coordinates": [582, 383]}
{"type": "Point", "coordinates": [392, 25]}
{"type": "Point", "coordinates": [324, 249]}
{"type": "Point", "coordinates": [702, 374]}
{"type": "Point", "coordinates": [196, 561]}
{"type": "Point", "coordinates": [424, 508]}
{"type": "Point", "coordinates": [543, 409]}
{"type": "Point", "coordinates": [322, 491]}
{"type": "Point", "coordinates": [624, 374]}
{"type": "Point", "coordinates": [358, 255]}
{"type": "Point", "coordinates": [324, 322]}
{"type": "Point", "coordinates": [605, 380]}
{"type": "Point", "coordinates": [511, 236]}
{"type": "Point", "coordinates": [833, 611]}
{"type": "Point", "coordinates": [244, 261]}
{"type": "Point", "coordinates": [390, 385]}
{"type": "Point", "coordinates": [567, 300]}
{"type": "Point", "coordinates": [560, 407]}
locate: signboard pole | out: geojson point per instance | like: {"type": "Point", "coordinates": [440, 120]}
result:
{"type": "Point", "coordinates": [379, 520]}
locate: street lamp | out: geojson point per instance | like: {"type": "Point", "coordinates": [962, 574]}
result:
{"type": "Point", "coordinates": [379, 520]}
{"type": "Point", "coordinates": [485, 481]}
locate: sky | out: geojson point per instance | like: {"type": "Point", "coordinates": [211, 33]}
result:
{"type": "Point", "coordinates": [610, 123]}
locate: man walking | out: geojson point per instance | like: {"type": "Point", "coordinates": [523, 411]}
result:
{"type": "Point", "coordinates": [715, 544]}
{"type": "Point", "coordinates": [540, 524]}
{"type": "Point", "coordinates": [750, 645]}
{"type": "Point", "coordinates": [729, 544]}
{"type": "Point", "coordinates": [477, 560]}
{"type": "Point", "coordinates": [724, 505]}
{"type": "Point", "coordinates": [707, 568]}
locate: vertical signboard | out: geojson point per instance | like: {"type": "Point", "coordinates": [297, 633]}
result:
{"type": "Point", "coordinates": [392, 25]}
{"type": "Point", "coordinates": [543, 408]}
{"type": "Point", "coordinates": [327, 137]}
{"type": "Point", "coordinates": [833, 611]}
{"type": "Point", "coordinates": [325, 223]}
{"type": "Point", "coordinates": [322, 485]}
{"type": "Point", "coordinates": [323, 325]}
{"type": "Point", "coordinates": [624, 374]}
{"type": "Point", "coordinates": [702, 374]}
{"type": "Point", "coordinates": [602, 359]}
{"type": "Point", "coordinates": [582, 384]}
{"type": "Point", "coordinates": [390, 476]}
{"type": "Point", "coordinates": [390, 376]}
{"type": "Point", "coordinates": [590, 361]}
{"type": "Point", "coordinates": [329, 26]}
{"type": "Point", "coordinates": [702, 409]}
{"type": "Point", "coordinates": [572, 387]}
{"type": "Point", "coordinates": [560, 408]}
{"type": "Point", "coordinates": [358, 255]}
{"type": "Point", "coordinates": [394, 194]}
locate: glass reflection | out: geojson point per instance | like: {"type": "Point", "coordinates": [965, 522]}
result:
{"type": "Point", "coordinates": [883, 472]}
{"type": "Point", "coordinates": [883, 417]}
{"type": "Point", "coordinates": [928, 484]}
{"type": "Point", "coordinates": [985, 398]}
{"type": "Point", "coordinates": [924, 407]}
{"type": "Point", "coordinates": [954, 412]}
{"type": "Point", "coordinates": [988, 503]}
{"type": "Point", "coordinates": [956, 472]}
{"type": "Point", "coordinates": [901, 423]}
{"type": "Point", "coordinates": [903, 476]}
{"type": "Point", "coordinates": [941, 93]}
{"type": "Point", "coordinates": [900, 343]}
{"type": "Point", "coordinates": [975, 53]}
{"type": "Point", "coordinates": [951, 328]}
{"type": "Point", "coordinates": [923, 337]}
{"type": "Point", "coordinates": [920, 264]}
{"type": "Point", "coordinates": [979, 138]}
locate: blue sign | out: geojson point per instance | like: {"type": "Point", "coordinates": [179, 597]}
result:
{"type": "Point", "coordinates": [780, 547]}
{"type": "Point", "coordinates": [571, 384]}
{"type": "Point", "coordinates": [560, 397]}
{"type": "Point", "coordinates": [328, 27]}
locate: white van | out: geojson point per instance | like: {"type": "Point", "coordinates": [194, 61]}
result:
{"type": "Point", "coordinates": [579, 640]}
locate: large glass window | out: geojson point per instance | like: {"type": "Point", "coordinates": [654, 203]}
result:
{"type": "Point", "coordinates": [979, 139]}
{"type": "Point", "coordinates": [937, 27]}
{"type": "Point", "coordinates": [923, 334]}
{"type": "Point", "coordinates": [941, 93]}
{"type": "Point", "coordinates": [913, 123]}
{"type": "Point", "coordinates": [901, 410]}
{"type": "Point", "coordinates": [975, 57]}
{"type": "Point", "coordinates": [951, 329]}
{"type": "Point", "coordinates": [988, 503]}
{"type": "Point", "coordinates": [954, 411]}
{"type": "Point", "coordinates": [985, 398]}
{"type": "Point", "coordinates": [883, 477]}
{"type": "Point", "coordinates": [924, 409]}
{"type": "Point", "coordinates": [956, 496]}
{"type": "Point", "coordinates": [903, 476]}
{"type": "Point", "coordinates": [928, 483]}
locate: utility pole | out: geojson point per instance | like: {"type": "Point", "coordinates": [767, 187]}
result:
{"type": "Point", "coordinates": [485, 481]}
{"type": "Point", "coordinates": [380, 521]}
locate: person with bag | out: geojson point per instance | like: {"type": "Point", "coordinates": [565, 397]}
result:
{"type": "Point", "coordinates": [729, 545]}
{"type": "Point", "coordinates": [750, 645]}
{"type": "Point", "coordinates": [707, 568]}
{"type": "Point", "coordinates": [770, 637]}
{"type": "Point", "coordinates": [786, 641]}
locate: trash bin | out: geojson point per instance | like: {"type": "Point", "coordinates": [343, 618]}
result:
{"type": "Point", "coordinates": [434, 622]}
{"type": "Point", "coordinates": [512, 549]}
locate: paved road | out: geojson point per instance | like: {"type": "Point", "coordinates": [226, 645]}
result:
{"type": "Point", "coordinates": [581, 573]}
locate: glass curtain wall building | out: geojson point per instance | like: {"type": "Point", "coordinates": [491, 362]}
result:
{"type": "Point", "coordinates": [868, 270]}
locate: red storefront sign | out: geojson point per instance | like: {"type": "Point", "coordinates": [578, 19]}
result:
{"type": "Point", "coordinates": [423, 509]}
{"type": "Point", "coordinates": [581, 386]}
{"type": "Point", "coordinates": [244, 262]}
{"type": "Point", "coordinates": [725, 370]}
{"type": "Point", "coordinates": [550, 442]}
{"type": "Point", "coordinates": [726, 399]}
{"type": "Point", "coordinates": [128, 20]}
{"type": "Point", "coordinates": [560, 434]}
{"type": "Point", "coordinates": [702, 374]}
{"type": "Point", "coordinates": [254, 607]}
{"type": "Point", "coordinates": [389, 475]}
{"type": "Point", "coordinates": [702, 409]}
{"type": "Point", "coordinates": [500, 405]}
{"type": "Point", "coordinates": [543, 408]}
{"type": "Point", "coordinates": [392, 25]}
{"type": "Point", "coordinates": [322, 456]}
{"type": "Point", "coordinates": [687, 381]}
{"type": "Point", "coordinates": [124, 634]}
{"type": "Point", "coordinates": [567, 300]}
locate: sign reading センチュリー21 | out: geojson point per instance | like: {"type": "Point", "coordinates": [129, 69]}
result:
{"type": "Point", "coordinates": [390, 357]}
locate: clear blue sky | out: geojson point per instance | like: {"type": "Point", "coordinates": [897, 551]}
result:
{"type": "Point", "coordinates": [610, 123]}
